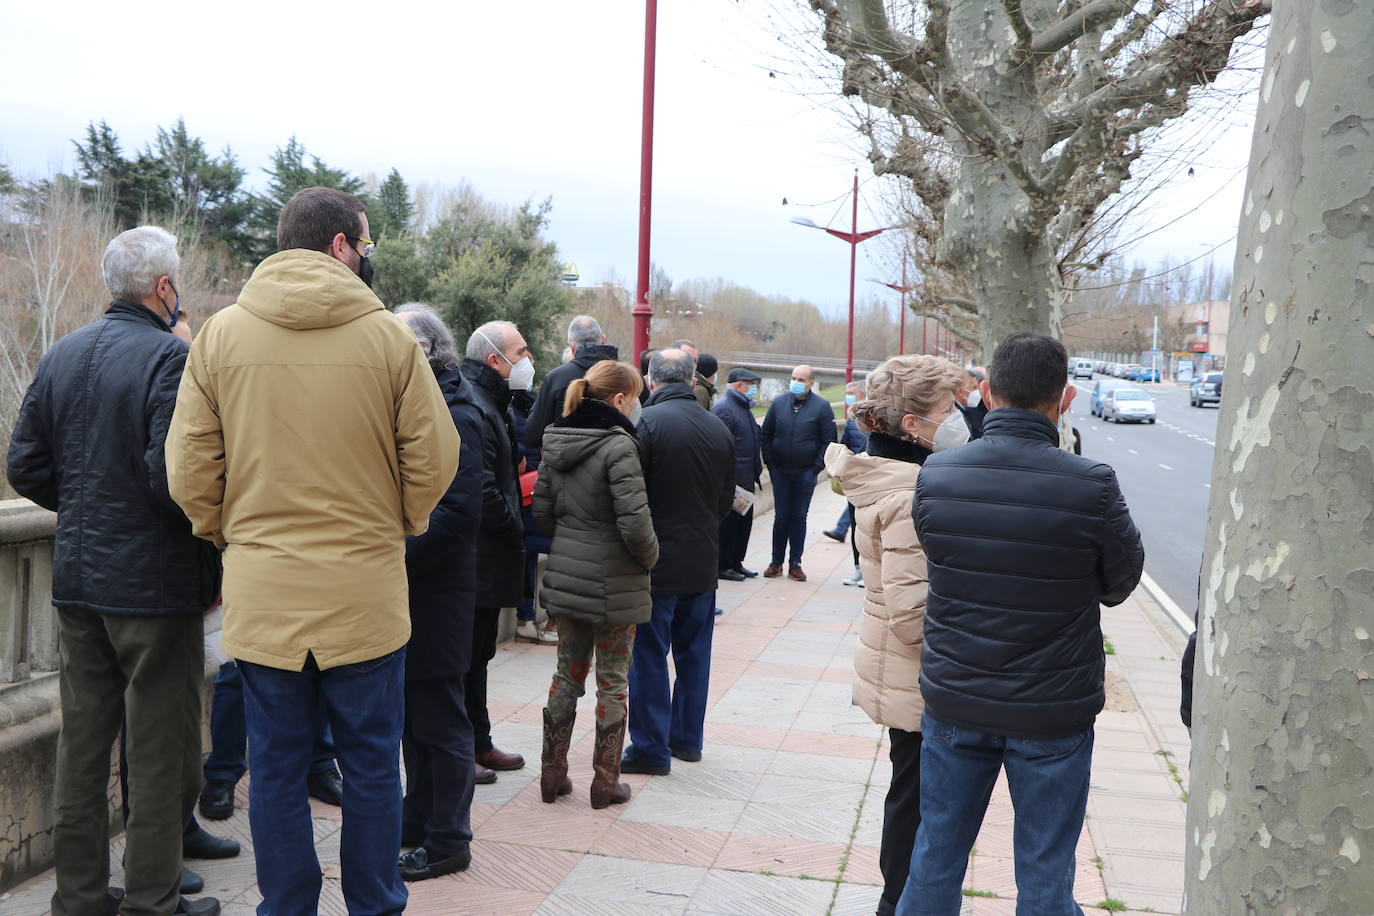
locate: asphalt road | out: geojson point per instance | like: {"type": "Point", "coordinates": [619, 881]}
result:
{"type": "Point", "coordinates": [1165, 472]}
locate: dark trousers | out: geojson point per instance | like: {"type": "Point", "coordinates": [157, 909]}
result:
{"type": "Point", "coordinates": [1048, 780]}
{"type": "Point", "coordinates": [228, 759]}
{"type": "Point", "coordinates": [734, 538]}
{"type": "Point", "coordinates": [437, 748]}
{"type": "Point", "coordinates": [791, 501]}
{"type": "Point", "coordinates": [535, 543]}
{"type": "Point", "coordinates": [901, 816]}
{"type": "Point", "coordinates": [484, 621]}
{"type": "Point", "coordinates": [364, 703]}
{"type": "Point", "coordinates": [663, 717]}
{"type": "Point", "coordinates": [147, 670]}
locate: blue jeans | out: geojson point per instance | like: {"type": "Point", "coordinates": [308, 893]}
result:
{"type": "Point", "coordinates": [365, 705]}
{"type": "Point", "coordinates": [664, 719]}
{"type": "Point", "coordinates": [228, 761]}
{"type": "Point", "coordinates": [1049, 792]}
{"type": "Point", "coordinates": [791, 500]}
{"type": "Point", "coordinates": [846, 519]}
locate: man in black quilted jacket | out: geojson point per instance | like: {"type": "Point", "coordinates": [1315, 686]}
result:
{"type": "Point", "coordinates": [130, 582]}
{"type": "Point", "coordinates": [1024, 542]}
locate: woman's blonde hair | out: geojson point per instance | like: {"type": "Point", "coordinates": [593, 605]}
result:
{"type": "Point", "coordinates": [905, 385]}
{"type": "Point", "coordinates": [603, 381]}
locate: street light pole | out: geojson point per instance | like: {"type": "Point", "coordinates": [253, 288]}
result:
{"type": "Point", "coordinates": [904, 289]}
{"type": "Point", "coordinates": [643, 312]}
{"type": "Point", "coordinates": [853, 237]}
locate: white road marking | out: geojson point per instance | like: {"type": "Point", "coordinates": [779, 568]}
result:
{"type": "Point", "coordinates": [1133, 451]}
{"type": "Point", "coordinates": [1166, 467]}
{"type": "Point", "coordinates": [1111, 438]}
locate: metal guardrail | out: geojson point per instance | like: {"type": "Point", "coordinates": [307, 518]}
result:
{"type": "Point", "coordinates": [788, 361]}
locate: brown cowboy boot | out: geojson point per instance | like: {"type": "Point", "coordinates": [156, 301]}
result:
{"type": "Point", "coordinates": [607, 789]}
{"type": "Point", "coordinates": [553, 779]}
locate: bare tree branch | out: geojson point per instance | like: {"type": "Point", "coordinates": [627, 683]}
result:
{"type": "Point", "coordinates": [1086, 19]}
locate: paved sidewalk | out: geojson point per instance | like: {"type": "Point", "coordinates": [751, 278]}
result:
{"type": "Point", "coordinates": [783, 814]}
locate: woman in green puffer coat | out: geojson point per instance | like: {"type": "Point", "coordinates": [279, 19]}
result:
{"type": "Point", "coordinates": [590, 496]}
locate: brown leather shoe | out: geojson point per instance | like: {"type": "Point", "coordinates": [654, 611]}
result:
{"type": "Point", "coordinates": [481, 775]}
{"type": "Point", "coordinates": [773, 571]}
{"type": "Point", "coordinates": [497, 759]}
{"type": "Point", "coordinates": [795, 572]}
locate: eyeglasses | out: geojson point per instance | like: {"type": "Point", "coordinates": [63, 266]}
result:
{"type": "Point", "coordinates": [369, 246]}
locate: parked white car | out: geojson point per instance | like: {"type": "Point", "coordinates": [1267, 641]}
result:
{"type": "Point", "coordinates": [1128, 405]}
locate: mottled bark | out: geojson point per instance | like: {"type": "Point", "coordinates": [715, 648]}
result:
{"type": "Point", "coordinates": [1281, 806]}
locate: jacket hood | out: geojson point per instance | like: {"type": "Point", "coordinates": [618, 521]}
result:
{"type": "Point", "coordinates": [456, 389]}
{"type": "Point", "coordinates": [573, 439]}
{"type": "Point", "coordinates": [303, 289]}
{"type": "Point", "coordinates": [866, 479]}
{"type": "Point", "coordinates": [589, 355]}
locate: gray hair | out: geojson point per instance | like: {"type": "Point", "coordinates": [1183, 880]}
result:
{"type": "Point", "coordinates": [584, 330]}
{"type": "Point", "coordinates": [670, 366]}
{"type": "Point", "coordinates": [431, 331]}
{"type": "Point", "coordinates": [488, 339]}
{"type": "Point", "coordinates": [135, 259]}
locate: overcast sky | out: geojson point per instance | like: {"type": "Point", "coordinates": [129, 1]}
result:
{"type": "Point", "coordinates": [525, 100]}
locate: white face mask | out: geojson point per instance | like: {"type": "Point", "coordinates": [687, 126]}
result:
{"type": "Point", "coordinates": [636, 412]}
{"type": "Point", "coordinates": [952, 433]}
{"type": "Point", "coordinates": [975, 397]}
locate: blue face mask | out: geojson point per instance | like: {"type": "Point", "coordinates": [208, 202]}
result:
{"type": "Point", "coordinates": [851, 398]}
{"type": "Point", "coordinates": [753, 393]}
{"type": "Point", "coordinates": [797, 388]}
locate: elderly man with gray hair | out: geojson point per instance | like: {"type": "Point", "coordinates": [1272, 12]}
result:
{"type": "Point", "coordinates": [130, 583]}
{"type": "Point", "coordinates": [587, 347]}
{"type": "Point", "coordinates": [689, 469]}
{"type": "Point", "coordinates": [497, 362]}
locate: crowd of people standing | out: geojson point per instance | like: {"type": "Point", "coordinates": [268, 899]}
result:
{"type": "Point", "coordinates": [365, 500]}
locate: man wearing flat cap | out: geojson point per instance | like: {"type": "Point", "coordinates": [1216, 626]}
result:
{"type": "Point", "coordinates": [733, 410]}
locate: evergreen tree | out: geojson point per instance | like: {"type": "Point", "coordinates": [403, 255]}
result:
{"type": "Point", "coordinates": [136, 188]}
{"type": "Point", "coordinates": [287, 174]}
{"type": "Point", "coordinates": [206, 191]}
{"type": "Point", "coordinates": [390, 217]}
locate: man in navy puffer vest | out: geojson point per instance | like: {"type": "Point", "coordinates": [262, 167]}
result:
{"type": "Point", "coordinates": [1024, 542]}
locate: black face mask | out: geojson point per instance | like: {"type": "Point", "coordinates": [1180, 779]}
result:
{"type": "Point", "coordinates": [365, 270]}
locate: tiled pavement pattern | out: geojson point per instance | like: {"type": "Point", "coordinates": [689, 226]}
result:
{"type": "Point", "coordinates": [783, 814]}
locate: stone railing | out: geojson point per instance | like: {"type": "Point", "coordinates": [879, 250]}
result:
{"type": "Point", "coordinates": [28, 630]}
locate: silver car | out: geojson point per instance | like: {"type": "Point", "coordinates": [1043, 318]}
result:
{"type": "Point", "coordinates": [1128, 405]}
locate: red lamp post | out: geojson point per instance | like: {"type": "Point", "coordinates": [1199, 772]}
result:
{"type": "Point", "coordinates": [643, 312]}
{"type": "Point", "coordinates": [904, 289]}
{"type": "Point", "coordinates": [853, 237]}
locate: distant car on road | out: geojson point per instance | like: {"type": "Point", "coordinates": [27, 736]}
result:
{"type": "Point", "coordinates": [1205, 389]}
{"type": "Point", "coordinates": [1082, 368]}
{"type": "Point", "coordinates": [1142, 374]}
{"type": "Point", "coordinates": [1100, 389]}
{"type": "Point", "coordinates": [1128, 405]}
{"type": "Point", "coordinates": [1125, 370]}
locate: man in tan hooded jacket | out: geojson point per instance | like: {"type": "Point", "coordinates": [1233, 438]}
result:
{"type": "Point", "coordinates": [309, 439]}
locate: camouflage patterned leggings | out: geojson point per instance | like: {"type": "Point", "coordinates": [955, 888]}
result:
{"type": "Point", "coordinates": [577, 640]}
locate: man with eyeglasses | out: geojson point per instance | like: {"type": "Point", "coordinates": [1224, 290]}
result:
{"type": "Point", "coordinates": [309, 439]}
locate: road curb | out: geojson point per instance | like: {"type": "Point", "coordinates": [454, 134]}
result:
{"type": "Point", "coordinates": [1171, 609]}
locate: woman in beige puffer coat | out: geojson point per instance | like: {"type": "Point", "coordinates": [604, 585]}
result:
{"type": "Point", "coordinates": [590, 497]}
{"type": "Point", "coordinates": [907, 398]}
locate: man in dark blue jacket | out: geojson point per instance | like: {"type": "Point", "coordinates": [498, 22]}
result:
{"type": "Point", "coordinates": [441, 564]}
{"type": "Point", "coordinates": [689, 472]}
{"type": "Point", "coordinates": [733, 410]}
{"type": "Point", "coordinates": [798, 427]}
{"type": "Point", "coordinates": [1023, 542]}
{"type": "Point", "coordinates": [587, 345]}
{"type": "Point", "coordinates": [131, 583]}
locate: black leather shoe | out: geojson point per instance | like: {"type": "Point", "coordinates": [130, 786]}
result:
{"type": "Point", "coordinates": [217, 800]}
{"type": "Point", "coordinates": [418, 864]}
{"type": "Point", "coordinates": [746, 573]}
{"type": "Point", "coordinates": [114, 896]}
{"type": "Point", "coordinates": [327, 787]}
{"type": "Point", "coordinates": [689, 756]}
{"type": "Point", "coordinates": [191, 883]}
{"type": "Point", "coordinates": [628, 765]}
{"type": "Point", "coordinates": [731, 575]}
{"type": "Point", "coordinates": [205, 906]}
{"type": "Point", "coordinates": [204, 845]}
